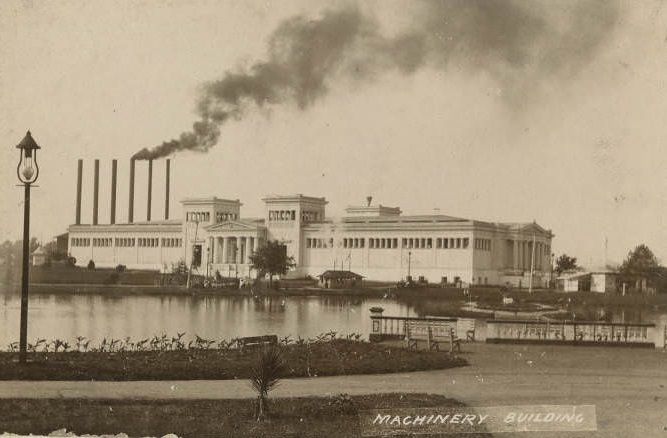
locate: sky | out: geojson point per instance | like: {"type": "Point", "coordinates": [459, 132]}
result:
{"type": "Point", "coordinates": [499, 111]}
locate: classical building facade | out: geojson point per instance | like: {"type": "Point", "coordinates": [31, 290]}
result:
{"type": "Point", "coordinates": [375, 241]}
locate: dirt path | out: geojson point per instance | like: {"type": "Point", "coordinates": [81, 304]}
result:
{"type": "Point", "coordinates": [627, 386]}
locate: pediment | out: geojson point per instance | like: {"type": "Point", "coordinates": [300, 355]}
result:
{"type": "Point", "coordinates": [532, 227]}
{"type": "Point", "coordinates": [233, 226]}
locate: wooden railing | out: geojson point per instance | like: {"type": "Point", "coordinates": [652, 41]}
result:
{"type": "Point", "coordinates": [401, 327]}
{"type": "Point", "coordinates": [570, 332]}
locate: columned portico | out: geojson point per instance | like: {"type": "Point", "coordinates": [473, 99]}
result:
{"type": "Point", "coordinates": [235, 242]}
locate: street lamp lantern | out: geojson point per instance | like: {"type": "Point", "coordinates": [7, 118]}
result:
{"type": "Point", "coordinates": [27, 169]}
{"type": "Point", "coordinates": [27, 172]}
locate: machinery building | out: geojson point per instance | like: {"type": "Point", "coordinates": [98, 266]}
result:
{"type": "Point", "coordinates": [376, 241]}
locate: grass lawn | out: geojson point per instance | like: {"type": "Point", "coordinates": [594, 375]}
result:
{"type": "Point", "coordinates": [332, 417]}
{"type": "Point", "coordinates": [337, 357]}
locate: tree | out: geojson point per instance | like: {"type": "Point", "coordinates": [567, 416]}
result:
{"type": "Point", "coordinates": [52, 252]}
{"type": "Point", "coordinates": [265, 375]}
{"type": "Point", "coordinates": [11, 254]}
{"type": "Point", "coordinates": [272, 259]}
{"type": "Point", "coordinates": [565, 263]}
{"type": "Point", "coordinates": [640, 262]}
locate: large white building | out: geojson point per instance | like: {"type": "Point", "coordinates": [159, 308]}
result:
{"type": "Point", "coordinates": [375, 241]}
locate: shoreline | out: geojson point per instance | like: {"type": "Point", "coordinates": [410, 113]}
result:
{"type": "Point", "coordinates": [128, 289]}
{"type": "Point", "coordinates": [447, 301]}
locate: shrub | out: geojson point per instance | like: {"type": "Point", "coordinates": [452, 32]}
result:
{"type": "Point", "coordinates": [91, 265]}
{"type": "Point", "coordinates": [71, 262]}
{"type": "Point", "coordinates": [266, 375]}
{"type": "Point", "coordinates": [121, 268]}
{"type": "Point", "coordinates": [112, 278]}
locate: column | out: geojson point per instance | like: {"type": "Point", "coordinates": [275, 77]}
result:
{"type": "Point", "coordinates": [515, 255]}
{"type": "Point", "coordinates": [238, 250]}
{"type": "Point", "coordinates": [522, 255]}
{"type": "Point", "coordinates": [255, 244]}
{"type": "Point", "coordinates": [223, 252]}
{"type": "Point", "coordinates": [248, 249]}
{"type": "Point", "coordinates": [538, 257]}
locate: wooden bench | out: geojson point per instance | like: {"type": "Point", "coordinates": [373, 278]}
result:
{"type": "Point", "coordinates": [257, 341]}
{"type": "Point", "coordinates": [425, 332]}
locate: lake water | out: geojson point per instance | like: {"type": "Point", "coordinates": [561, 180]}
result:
{"type": "Point", "coordinates": [98, 316]}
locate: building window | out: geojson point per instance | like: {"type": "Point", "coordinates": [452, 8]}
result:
{"type": "Point", "coordinates": [458, 242]}
{"type": "Point", "coordinates": [466, 242]}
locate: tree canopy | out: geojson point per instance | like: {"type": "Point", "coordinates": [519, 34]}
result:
{"type": "Point", "coordinates": [272, 259]}
{"type": "Point", "coordinates": [12, 252]}
{"type": "Point", "coordinates": [640, 261]}
{"type": "Point", "coordinates": [565, 263]}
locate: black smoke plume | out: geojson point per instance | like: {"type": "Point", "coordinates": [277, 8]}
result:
{"type": "Point", "coordinates": [519, 43]}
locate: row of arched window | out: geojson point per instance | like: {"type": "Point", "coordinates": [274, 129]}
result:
{"type": "Point", "coordinates": [282, 215]}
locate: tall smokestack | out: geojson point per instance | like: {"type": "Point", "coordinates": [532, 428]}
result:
{"type": "Point", "coordinates": [114, 171]}
{"type": "Point", "coordinates": [130, 207]}
{"type": "Point", "coordinates": [96, 190]}
{"type": "Point", "coordinates": [166, 192]}
{"type": "Point", "coordinates": [150, 190]}
{"type": "Point", "coordinates": [79, 177]}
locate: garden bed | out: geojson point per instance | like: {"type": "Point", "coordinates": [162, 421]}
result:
{"type": "Point", "coordinates": [327, 357]}
{"type": "Point", "coordinates": [333, 417]}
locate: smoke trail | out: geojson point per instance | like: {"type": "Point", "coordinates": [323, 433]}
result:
{"type": "Point", "coordinates": [518, 43]}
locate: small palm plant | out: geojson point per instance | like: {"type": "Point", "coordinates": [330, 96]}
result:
{"type": "Point", "coordinates": [266, 374]}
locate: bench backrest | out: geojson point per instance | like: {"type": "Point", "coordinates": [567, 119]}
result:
{"type": "Point", "coordinates": [439, 329]}
{"type": "Point", "coordinates": [266, 339]}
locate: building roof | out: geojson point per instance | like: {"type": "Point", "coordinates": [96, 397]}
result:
{"type": "Point", "coordinates": [340, 275]}
{"type": "Point", "coordinates": [39, 251]}
{"type": "Point", "coordinates": [172, 225]}
{"type": "Point", "coordinates": [372, 210]}
{"type": "Point", "coordinates": [294, 198]}
{"type": "Point", "coordinates": [581, 274]}
{"type": "Point", "coordinates": [210, 200]}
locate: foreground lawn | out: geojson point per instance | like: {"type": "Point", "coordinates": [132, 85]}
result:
{"type": "Point", "coordinates": [330, 417]}
{"type": "Point", "coordinates": [337, 357]}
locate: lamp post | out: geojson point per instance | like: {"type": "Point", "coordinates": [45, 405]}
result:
{"type": "Point", "coordinates": [409, 276]}
{"type": "Point", "coordinates": [27, 172]}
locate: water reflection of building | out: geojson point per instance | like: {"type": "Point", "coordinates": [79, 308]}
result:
{"type": "Point", "coordinates": [375, 241]}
